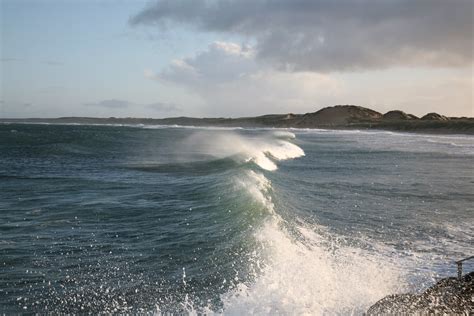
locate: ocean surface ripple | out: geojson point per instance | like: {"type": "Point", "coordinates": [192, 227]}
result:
{"type": "Point", "coordinates": [140, 219]}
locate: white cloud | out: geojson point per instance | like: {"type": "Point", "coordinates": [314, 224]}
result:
{"type": "Point", "coordinates": [227, 77]}
{"type": "Point", "coordinates": [230, 82]}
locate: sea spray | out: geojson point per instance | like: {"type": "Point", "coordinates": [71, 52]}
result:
{"type": "Point", "coordinates": [263, 151]}
{"type": "Point", "coordinates": [361, 215]}
{"type": "Point", "coordinates": [304, 275]}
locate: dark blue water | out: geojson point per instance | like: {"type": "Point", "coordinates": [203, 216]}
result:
{"type": "Point", "coordinates": [127, 218]}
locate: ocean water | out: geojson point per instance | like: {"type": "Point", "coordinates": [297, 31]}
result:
{"type": "Point", "coordinates": [154, 219]}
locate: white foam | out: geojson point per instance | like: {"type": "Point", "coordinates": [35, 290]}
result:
{"type": "Point", "coordinates": [307, 271]}
{"type": "Point", "coordinates": [258, 187]}
{"type": "Point", "coordinates": [284, 134]}
{"type": "Point", "coordinates": [309, 275]}
{"type": "Point", "coordinates": [307, 278]}
{"type": "Point", "coordinates": [456, 144]}
{"type": "Point", "coordinates": [176, 126]}
{"type": "Point", "coordinates": [263, 150]}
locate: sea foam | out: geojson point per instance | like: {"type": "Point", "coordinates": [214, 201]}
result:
{"type": "Point", "coordinates": [304, 274]}
{"type": "Point", "coordinates": [308, 274]}
{"type": "Point", "coordinates": [263, 151]}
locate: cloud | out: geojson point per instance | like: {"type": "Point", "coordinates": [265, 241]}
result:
{"type": "Point", "coordinates": [226, 77]}
{"type": "Point", "coordinates": [221, 62]}
{"type": "Point", "coordinates": [111, 104]}
{"type": "Point", "coordinates": [327, 35]}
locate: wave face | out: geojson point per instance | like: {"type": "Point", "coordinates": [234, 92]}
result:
{"type": "Point", "coordinates": [132, 219]}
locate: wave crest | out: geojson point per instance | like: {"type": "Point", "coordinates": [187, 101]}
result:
{"type": "Point", "coordinates": [263, 150]}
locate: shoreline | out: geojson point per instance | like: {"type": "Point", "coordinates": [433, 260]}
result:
{"type": "Point", "coordinates": [338, 117]}
{"type": "Point", "coordinates": [353, 127]}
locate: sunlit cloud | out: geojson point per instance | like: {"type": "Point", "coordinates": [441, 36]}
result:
{"type": "Point", "coordinates": [325, 36]}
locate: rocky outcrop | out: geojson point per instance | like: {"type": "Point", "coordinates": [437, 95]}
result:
{"type": "Point", "coordinates": [398, 115]}
{"type": "Point", "coordinates": [447, 296]}
{"type": "Point", "coordinates": [434, 117]}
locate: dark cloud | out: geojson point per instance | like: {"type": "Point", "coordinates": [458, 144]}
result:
{"type": "Point", "coordinates": [164, 107]}
{"type": "Point", "coordinates": [327, 35]}
{"type": "Point", "coordinates": [112, 104]}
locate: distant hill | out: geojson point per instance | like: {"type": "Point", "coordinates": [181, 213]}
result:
{"type": "Point", "coordinates": [337, 115]}
{"type": "Point", "coordinates": [398, 115]}
{"type": "Point", "coordinates": [334, 117]}
{"type": "Point", "coordinates": [434, 117]}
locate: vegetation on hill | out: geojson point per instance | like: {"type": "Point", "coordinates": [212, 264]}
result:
{"type": "Point", "coordinates": [335, 117]}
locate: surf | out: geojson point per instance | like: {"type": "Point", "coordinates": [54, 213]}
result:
{"type": "Point", "coordinates": [264, 150]}
{"type": "Point", "coordinates": [295, 267]}
{"type": "Point", "coordinates": [173, 220]}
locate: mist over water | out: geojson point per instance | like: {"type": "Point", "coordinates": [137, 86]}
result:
{"type": "Point", "coordinates": [263, 150]}
{"type": "Point", "coordinates": [246, 221]}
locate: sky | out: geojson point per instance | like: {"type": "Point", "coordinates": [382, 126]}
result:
{"type": "Point", "coordinates": [232, 58]}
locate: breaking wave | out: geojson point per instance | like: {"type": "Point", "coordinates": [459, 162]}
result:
{"type": "Point", "coordinates": [308, 273]}
{"type": "Point", "coordinates": [263, 151]}
{"type": "Point", "coordinates": [296, 267]}
{"type": "Point", "coordinates": [169, 220]}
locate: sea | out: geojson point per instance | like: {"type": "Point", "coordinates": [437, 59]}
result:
{"type": "Point", "coordinates": [165, 220]}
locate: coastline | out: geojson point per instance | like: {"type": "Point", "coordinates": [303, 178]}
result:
{"type": "Point", "coordinates": [339, 117]}
{"type": "Point", "coordinates": [429, 128]}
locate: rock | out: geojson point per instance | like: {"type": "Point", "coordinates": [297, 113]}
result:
{"type": "Point", "coordinates": [434, 117]}
{"type": "Point", "coordinates": [447, 296]}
